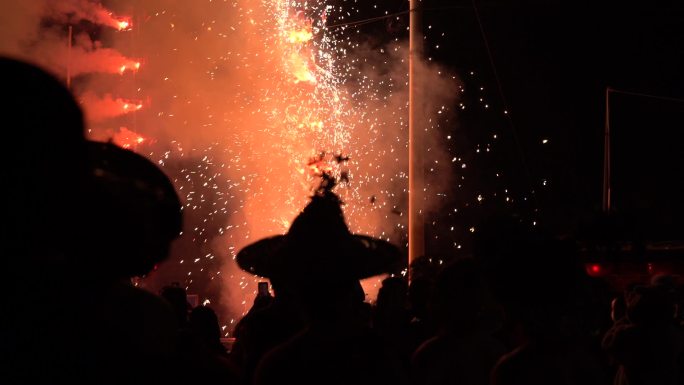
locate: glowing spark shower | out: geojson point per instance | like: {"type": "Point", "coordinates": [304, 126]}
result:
{"type": "Point", "coordinates": [129, 65]}
{"type": "Point", "coordinates": [242, 103]}
{"type": "Point", "coordinates": [123, 25]}
{"type": "Point", "coordinates": [128, 139]}
{"type": "Point", "coordinates": [257, 98]}
{"type": "Point", "coordinates": [99, 109]}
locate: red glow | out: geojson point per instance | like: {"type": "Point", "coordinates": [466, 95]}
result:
{"type": "Point", "coordinates": [594, 269]}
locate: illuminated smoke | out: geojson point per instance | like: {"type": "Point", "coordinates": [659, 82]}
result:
{"type": "Point", "coordinates": [128, 139]}
{"type": "Point", "coordinates": [27, 37]}
{"type": "Point", "coordinates": [74, 11]}
{"type": "Point", "coordinates": [247, 100]}
{"type": "Point", "coordinates": [102, 108]}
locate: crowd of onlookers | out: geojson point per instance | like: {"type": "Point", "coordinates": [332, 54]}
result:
{"type": "Point", "coordinates": [82, 218]}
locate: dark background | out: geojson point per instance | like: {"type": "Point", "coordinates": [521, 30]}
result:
{"type": "Point", "coordinates": [554, 61]}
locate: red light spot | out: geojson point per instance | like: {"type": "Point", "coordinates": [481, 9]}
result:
{"type": "Point", "coordinates": [594, 269]}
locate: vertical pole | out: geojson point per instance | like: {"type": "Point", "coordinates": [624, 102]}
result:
{"type": "Point", "coordinates": [68, 64]}
{"type": "Point", "coordinates": [606, 155]}
{"type": "Point", "coordinates": [415, 212]}
{"type": "Point", "coordinates": [134, 40]}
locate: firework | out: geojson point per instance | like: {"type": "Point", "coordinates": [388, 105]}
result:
{"type": "Point", "coordinates": [246, 103]}
{"type": "Point", "coordinates": [124, 25]}
{"type": "Point", "coordinates": [128, 65]}
{"type": "Point", "coordinates": [102, 108]}
{"type": "Point", "coordinates": [128, 139]}
{"type": "Point", "coordinates": [304, 107]}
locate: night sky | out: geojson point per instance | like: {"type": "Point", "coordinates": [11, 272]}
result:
{"type": "Point", "coordinates": [554, 60]}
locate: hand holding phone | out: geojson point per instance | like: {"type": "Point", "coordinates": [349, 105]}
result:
{"type": "Point", "coordinates": [263, 289]}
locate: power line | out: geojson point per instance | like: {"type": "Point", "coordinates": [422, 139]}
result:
{"type": "Point", "coordinates": [659, 97]}
{"type": "Point", "coordinates": [367, 21]}
{"type": "Point", "coordinates": [383, 17]}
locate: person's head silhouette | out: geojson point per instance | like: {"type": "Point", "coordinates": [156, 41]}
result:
{"type": "Point", "coordinates": [177, 297]}
{"type": "Point", "coordinates": [319, 259]}
{"type": "Point", "coordinates": [43, 161]}
{"type": "Point", "coordinates": [138, 213]}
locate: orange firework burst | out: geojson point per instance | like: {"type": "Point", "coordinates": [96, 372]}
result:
{"type": "Point", "coordinates": [246, 93]}
{"type": "Point", "coordinates": [128, 139]}
{"type": "Point", "coordinates": [124, 25]}
{"type": "Point", "coordinates": [109, 19]}
{"type": "Point", "coordinates": [296, 31]}
{"type": "Point", "coordinates": [129, 65]}
{"type": "Point", "coordinates": [102, 108]}
{"type": "Point", "coordinates": [300, 36]}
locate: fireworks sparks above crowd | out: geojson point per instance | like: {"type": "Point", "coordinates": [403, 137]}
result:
{"type": "Point", "coordinates": [260, 97]}
{"type": "Point", "coordinates": [243, 103]}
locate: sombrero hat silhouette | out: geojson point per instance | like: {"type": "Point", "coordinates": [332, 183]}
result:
{"type": "Point", "coordinates": [137, 205]}
{"type": "Point", "coordinates": [319, 245]}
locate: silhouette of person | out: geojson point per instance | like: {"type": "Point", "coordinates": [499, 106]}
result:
{"type": "Point", "coordinates": [269, 323]}
{"type": "Point", "coordinates": [318, 265]}
{"type": "Point", "coordinates": [83, 217]}
{"type": "Point", "coordinates": [391, 316]}
{"type": "Point", "coordinates": [45, 184]}
{"type": "Point", "coordinates": [537, 281]}
{"type": "Point", "coordinates": [204, 325]}
{"type": "Point", "coordinates": [618, 308]}
{"type": "Point", "coordinates": [204, 357]}
{"type": "Point", "coordinates": [177, 297]}
{"type": "Point", "coordinates": [648, 345]}
{"type": "Point", "coordinates": [424, 271]}
{"type": "Point", "coordinates": [464, 350]}
{"type": "Point", "coordinates": [135, 218]}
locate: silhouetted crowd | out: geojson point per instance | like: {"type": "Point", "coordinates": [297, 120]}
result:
{"type": "Point", "coordinates": [82, 218]}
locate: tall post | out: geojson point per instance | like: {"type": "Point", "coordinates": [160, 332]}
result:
{"type": "Point", "coordinates": [606, 155]}
{"type": "Point", "coordinates": [68, 63]}
{"type": "Point", "coordinates": [416, 220]}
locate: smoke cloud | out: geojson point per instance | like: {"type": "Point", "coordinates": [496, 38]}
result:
{"type": "Point", "coordinates": [74, 11]}
{"type": "Point", "coordinates": [235, 125]}
{"type": "Point", "coordinates": [102, 108]}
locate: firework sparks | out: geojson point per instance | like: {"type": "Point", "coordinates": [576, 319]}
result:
{"type": "Point", "coordinates": [124, 25]}
{"type": "Point", "coordinates": [128, 139]}
{"type": "Point", "coordinates": [256, 99]}
{"type": "Point", "coordinates": [305, 115]}
{"type": "Point", "coordinates": [246, 101]}
{"type": "Point", "coordinates": [129, 65]}
{"type": "Point", "coordinates": [99, 109]}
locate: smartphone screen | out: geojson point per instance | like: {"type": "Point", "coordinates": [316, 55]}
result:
{"type": "Point", "coordinates": [263, 288]}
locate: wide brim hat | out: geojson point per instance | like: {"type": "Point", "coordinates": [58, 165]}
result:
{"type": "Point", "coordinates": [137, 182]}
{"type": "Point", "coordinates": [135, 209]}
{"type": "Point", "coordinates": [320, 246]}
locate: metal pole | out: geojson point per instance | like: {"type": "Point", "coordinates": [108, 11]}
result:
{"type": "Point", "coordinates": [606, 155]}
{"type": "Point", "coordinates": [416, 229]}
{"type": "Point", "coordinates": [68, 64]}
